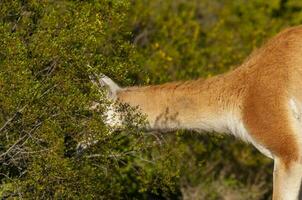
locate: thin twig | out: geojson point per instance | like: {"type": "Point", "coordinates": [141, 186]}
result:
{"type": "Point", "coordinates": [10, 148]}
{"type": "Point", "coordinates": [12, 118]}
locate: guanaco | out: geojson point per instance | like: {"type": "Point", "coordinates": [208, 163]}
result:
{"type": "Point", "coordinates": [259, 102]}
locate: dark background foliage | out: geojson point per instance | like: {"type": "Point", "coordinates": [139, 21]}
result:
{"type": "Point", "coordinates": [48, 49]}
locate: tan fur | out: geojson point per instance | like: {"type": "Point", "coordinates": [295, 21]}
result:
{"type": "Point", "coordinates": [258, 93]}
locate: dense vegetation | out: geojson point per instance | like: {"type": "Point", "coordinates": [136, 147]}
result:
{"type": "Point", "coordinates": [50, 48]}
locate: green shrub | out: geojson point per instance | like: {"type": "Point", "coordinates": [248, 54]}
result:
{"type": "Point", "coordinates": [49, 49]}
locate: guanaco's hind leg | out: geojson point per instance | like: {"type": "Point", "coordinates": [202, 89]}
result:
{"type": "Point", "coordinates": [300, 193]}
{"type": "Point", "coordinates": [287, 180]}
{"type": "Point", "coordinates": [270, 121]}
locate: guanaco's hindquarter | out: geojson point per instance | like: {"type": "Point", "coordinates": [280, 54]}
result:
{"type": "Point", "coordinates": [259, 102]}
